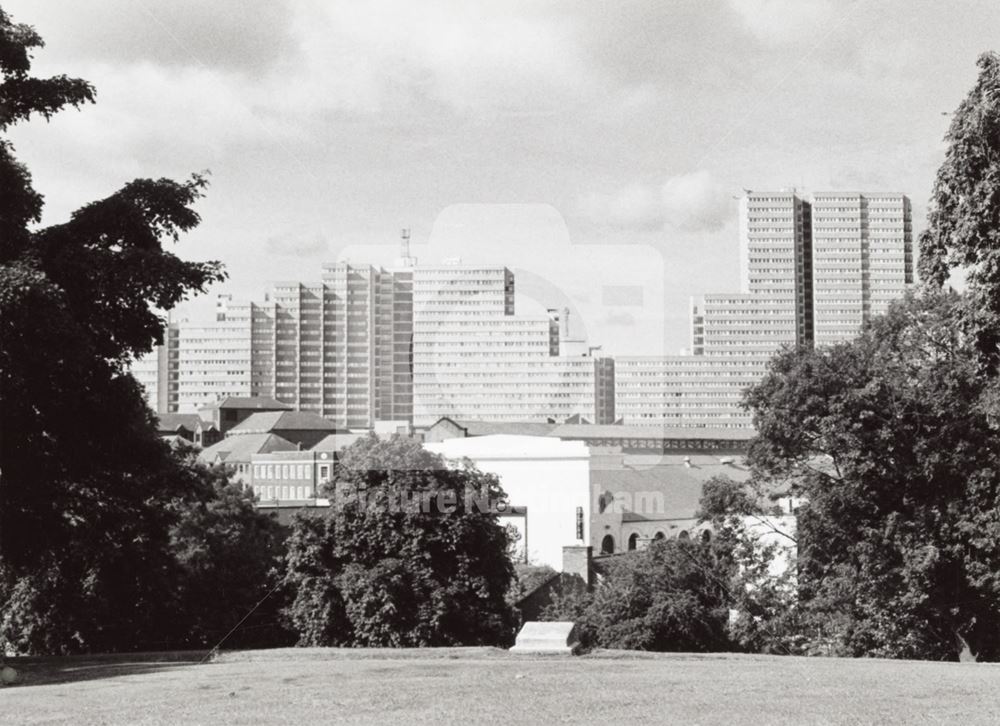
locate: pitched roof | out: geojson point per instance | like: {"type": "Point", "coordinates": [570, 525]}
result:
{"type": "Point", "coordinates": [240, 448]}
{"type": "Point", "coordinates": [265, 421]}
{"type": "Point", "coordinates": [255, 403]}
{"type": "Point", "coordinates": [337, 442]}
{"type": "Point", "coordinates": [169, 422]}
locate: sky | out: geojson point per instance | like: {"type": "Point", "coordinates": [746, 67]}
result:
{"type": "Point", "coordinates": [595, 148]}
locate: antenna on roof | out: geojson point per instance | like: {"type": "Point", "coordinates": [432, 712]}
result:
{"type": "Point", "coordinates": [404, 249]}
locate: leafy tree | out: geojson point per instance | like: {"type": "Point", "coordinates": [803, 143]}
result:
{"type": "Point", "coordinates": [760, 551]}
{"type": "Point", "coordinates": [404, 557]}
{"type": "Point", "coordinates": [671, 596]}
{"type": "Point", "coordinates": [963, 228]}
{"type": "Point", "coordinates": [887, 439]}
{"type": "Point", "coordinates": [92, 503]}
{"type": "Point", "coordinates": [229, 555]}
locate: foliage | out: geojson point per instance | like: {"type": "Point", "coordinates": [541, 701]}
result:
{"type": "Point", "coordinates": [671, 596]}
{"type": "Point", "coordinates": [526, 579]}
{"type": "Point", "coordinates": [404, 558]}
{"type": "Point", "coordinates": [887, 440]}
{"type": "Point", "coordinates": [108, 541]}
{"type": "Point", "coordinates": [229, 555]}
{"type": "Point", "coordinates": [759, 547]}
{"type": "Point", "coordinates": [963, 228]}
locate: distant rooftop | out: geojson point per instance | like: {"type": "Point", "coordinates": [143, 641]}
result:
{"type": "Point", "coordinates": [593, 431]}
{"type": "Point", "coordinates": [487, 428]}
{"type": "Point", "coordinates": [337, 442]}
{"type": "Point", "coordinates": [253, 403]}
{"type": "Point", "coordinates": [170, 422]}
{"type": "Point", "coordinates": [241, 448]}
{"type": "Point", "coordinates": [268, 421]}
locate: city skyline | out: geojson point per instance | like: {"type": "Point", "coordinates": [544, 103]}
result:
{"type": "Point", "coordinates": [410, 112]}
{"type": "Point", "coordinates": [417, 342]}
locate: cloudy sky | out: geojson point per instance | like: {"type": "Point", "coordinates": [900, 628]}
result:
{"type": "Point", "coordinates": [596, 147]}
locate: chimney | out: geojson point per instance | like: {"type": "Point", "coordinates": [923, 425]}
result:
{"type": "Point", "coordinates": [564, 324]}
{"type": "Point", "coordinates": [576, 561]}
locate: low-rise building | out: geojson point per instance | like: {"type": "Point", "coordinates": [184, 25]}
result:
{"type": "Point", "coordinates": [238, 452]}
{"type": "Point", "coordinates": [547, 483]}
{"type": "Point", "coordinates": [302, 428]}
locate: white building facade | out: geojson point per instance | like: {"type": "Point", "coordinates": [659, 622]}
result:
{"type": "Point", "coordinates": [546, 480]}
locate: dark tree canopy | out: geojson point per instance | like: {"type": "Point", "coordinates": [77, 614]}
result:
{"type": "Point", "coordinates": [887, 439]}
{"type": "Point", "coordinates": [404, 558]}
{"type": "Point", "coordinates": [93, 550]}
{"type": "Point", "coordinates": [963, 230]}
{"type": "Point", "coordinates": [672, 596]}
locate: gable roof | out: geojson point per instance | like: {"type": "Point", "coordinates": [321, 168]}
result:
{"type": "Point", "coordinates": [170, 422]}
{"type": "Point", "coordinates": [266, 421]}
{"type": "Point", "coordinates": [239, 449]}
{"type": "Point", "coordinates": [337, 442]}
{"type": "Point", "coordinates": [254, 403]}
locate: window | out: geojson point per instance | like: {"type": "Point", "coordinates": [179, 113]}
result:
{"type": "Point", "coordinates": [608, 545]}
{"type": "Point", "coordinates": [633, 541]}
{"type": "Point", "coordinates": [683, 534]}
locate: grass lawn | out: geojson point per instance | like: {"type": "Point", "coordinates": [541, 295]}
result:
{"type": "Point", "coordinates": [458, 686]}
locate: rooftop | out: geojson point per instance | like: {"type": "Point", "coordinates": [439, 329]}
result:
{"type": "Point", "coordinates": [241, 448]}
{"type": "Point", "coordinates": [170, 422]}
{"type": "Point", "coordinates": [619, 431]}
{"type": "Point", "coordinates": [282, 421]}
{"type": "Point", "coordinates": [337, 442]}
{"type": "Point", "coordinates": [253, 403]}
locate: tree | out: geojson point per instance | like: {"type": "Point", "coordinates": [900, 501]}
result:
{"type": "Point", "coordinates": [92, 503]}
{"type": "Point", "coordinates": [671, 596]}
{"type": "Point", "coordinates": [963, 230]}
{"type": "Point", "coordinates": [229, 557]}
{"type": "Point", "coordinates": [887, 440]}
{"type": "Point", "coordinates": [759, 549]}
{"type": "Point", "coordinates": [410, 554]}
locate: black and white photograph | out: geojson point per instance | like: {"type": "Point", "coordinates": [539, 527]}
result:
{"type": "Point", "coordinates": [499, 362]}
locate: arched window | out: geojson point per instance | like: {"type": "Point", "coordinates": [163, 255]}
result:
{"type": "Point", "coordinates": [633, 540]}
{"type": "Point", "coordinates": [658, 536]}
{"type": "Point", "coordinates": [706, 536]}
{"type": "Point", "coordinates": [608, 545]}
{"type": "Point", "coordinates": [683, 534]}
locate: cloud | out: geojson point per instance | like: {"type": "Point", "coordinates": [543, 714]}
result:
{"type": "Point", "coordinates": [384, 56]}
{"type": "Point", "coordinates": [688, 202]}
{"type": "Point", "coordinates": [247, 37]}
{"type": "Point", "coordinates": [781, 21]}
{"type": "Point", "coordinates": [297, 245]}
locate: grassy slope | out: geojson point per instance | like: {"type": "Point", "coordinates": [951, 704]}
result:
{"type": "Point", "coordinates": [482, 685]}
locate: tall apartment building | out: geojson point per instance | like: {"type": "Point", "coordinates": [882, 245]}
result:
{"type": "Point", "coordinates": [862, 259]}
{"type": "Point", "coordinates": [339, 348]}
{"type": "Point", "coordinates": [474, 358]}
{"type": "Point", "coordinates": [408, 343]}
{"type": "Point", "coordinates": [811, 272]}
{"type": "Point", "coordinates": [197, 364]}
{"type": "Point", "coordinates": [775, 269]}
{"type": "Point", "coordinates": [157, 371]}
